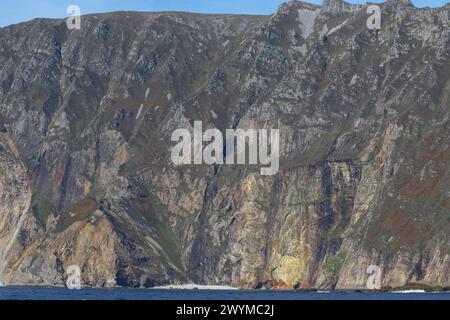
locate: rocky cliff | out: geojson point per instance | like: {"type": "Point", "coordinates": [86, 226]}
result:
{"type": "Point", "coordinates": [86, 177]}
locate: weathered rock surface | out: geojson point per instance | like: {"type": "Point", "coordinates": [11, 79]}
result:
{"type": "Point", "coordinates": [86, 177]}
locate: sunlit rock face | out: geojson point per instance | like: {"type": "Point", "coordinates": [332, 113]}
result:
{"type": "Point", "coordinates": [86, 177]}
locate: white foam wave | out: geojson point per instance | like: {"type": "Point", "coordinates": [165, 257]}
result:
{"type": "Point", "coordinates": [410, 291]}
{"type": "Point", "coordinates": [191, 286]}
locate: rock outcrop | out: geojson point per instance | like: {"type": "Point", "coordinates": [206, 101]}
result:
{"type": "Point", "coordinates": [86, 177]}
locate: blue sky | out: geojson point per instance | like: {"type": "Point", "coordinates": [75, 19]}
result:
{"type": "Point", "coordinates": [14, 11]}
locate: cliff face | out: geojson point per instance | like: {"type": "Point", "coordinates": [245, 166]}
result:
{"type": "Point", "coordinates": [86, 177]}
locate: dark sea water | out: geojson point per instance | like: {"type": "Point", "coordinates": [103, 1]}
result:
{"type": "Point", "coordinates": [30, 293]}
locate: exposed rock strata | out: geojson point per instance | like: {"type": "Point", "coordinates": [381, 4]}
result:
{"type": "Point", "coordinates": [86, 177]}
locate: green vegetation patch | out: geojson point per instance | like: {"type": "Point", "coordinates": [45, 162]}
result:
{"type": "Point", "coordinates": [41, 207]}
{"type": "Point", "coordinates": [79, 211]}
{"type": "Point", "coordinates": [335, 264]}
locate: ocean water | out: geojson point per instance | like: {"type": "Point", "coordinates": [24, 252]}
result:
{"type": "Point", "coordinates": [35, 293]}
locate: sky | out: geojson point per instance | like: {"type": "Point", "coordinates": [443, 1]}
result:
{"type": "Point", "coordinates": [15, 11]}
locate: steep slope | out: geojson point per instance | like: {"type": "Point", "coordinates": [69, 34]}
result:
{"type": "Point", "coordinates": [86, 118]}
